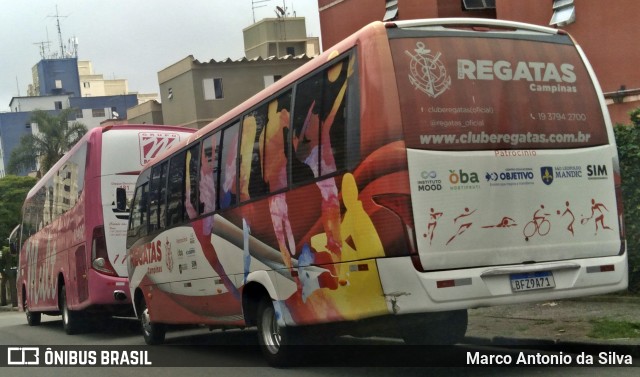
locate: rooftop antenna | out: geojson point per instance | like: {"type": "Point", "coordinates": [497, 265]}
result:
{"type": "Point", "coordinates": [254, 6]}
{"type": "Point", "coordinates": [281, 12]}
{"type": "Point", "coordinates": [57, 17]}
{"type": "Point", "coordinates": [43, 53]}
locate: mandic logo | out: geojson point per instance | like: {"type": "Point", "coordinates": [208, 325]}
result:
{"type": "Point", "coordinates": [546, 173]}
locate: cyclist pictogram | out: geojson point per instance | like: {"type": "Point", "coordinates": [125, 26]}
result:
{"type": "Point", "coordinates": [539, 224]}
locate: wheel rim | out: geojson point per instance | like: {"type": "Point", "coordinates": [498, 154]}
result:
{"type": "Point", "coordinates": [146, 321]}
{"type": "Point", "coordinates": [271, 331]}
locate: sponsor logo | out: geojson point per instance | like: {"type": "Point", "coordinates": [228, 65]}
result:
{"type": "Point", "coordinates": [544, 77]}
{"type": "Point", "coordinates": [597, 172]}
{"type": "Point", "coordinates": [427, 72]}
{"type": "Point", "coordinates": [510, 177]}
{"type": "Point", "coordinates": [150, 252]}
{"type": "Point", "coordinates": [562, 172]}
{"type": "Point", "coordinates": [429, 182]}
{"type": "Point", "coordinates": [546, 173]}
{"type": "Point", "coordinates": [462, 180]}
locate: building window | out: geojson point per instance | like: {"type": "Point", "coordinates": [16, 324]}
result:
{"type": "Point", "coordinates": [212, 88]}
{"type": "Point", "coordinates": [392, 10]}
{"type": "Point", "coordinates": [97, 113]}
{"type": "Point", "coordinates": [564, 13]}
{"type": "Point", "coordinates": [58, 84]}
{"type": "Point", "coordinates": [86, 84]}
{"type": "Point", "coordinates": [79, 113]}
{"type": "Point", "coordinates": [58, 105]}
{"type": "Point", "coordinates": [478, 4]}
{"type": "Point", "coordinates": [291, 51]}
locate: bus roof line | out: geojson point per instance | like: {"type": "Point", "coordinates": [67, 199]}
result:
{"type": "Point", "coordinates": [474, 22]}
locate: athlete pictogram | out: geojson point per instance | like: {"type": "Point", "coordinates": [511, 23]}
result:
{"type": "Point", "coordinates": [433, 222]}
{"type": "Point", "coordinates": [568, 212]}
{"type": "Point", "coordinates": [506, 222]}
{"type": "Point", "coordinates": [427, 73]}
{"type": "Point", "coordinates": [539, 224]}
{"type": "Point", "coordinates": [596, 212]}
{"type": "Point", "coordinates": [463, 227]}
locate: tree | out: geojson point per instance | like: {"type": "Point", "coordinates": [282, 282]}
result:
{"type": "Point", "coordinates": [55, 136]}
{"type": "Point", "coordinates": [13, 191]}
{"type": "Point", "coordinates": [628, 140]}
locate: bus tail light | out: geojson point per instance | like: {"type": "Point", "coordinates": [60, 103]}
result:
{"type": "Point", "coordinates": [99, 256]}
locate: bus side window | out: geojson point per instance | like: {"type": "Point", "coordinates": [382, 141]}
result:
{"type": "Point", "coordinates": [192, 166]}
{"type": "Point", "coordinates": [175, 189]}
{"type": "Point", "coordinates": [209, 173]}
{"type": "Point", "coordinates": [138, 221]}
{"type": "Point", "coordinates": [319, 123]}
{"type": "Point", "coordinates": [252, 184]}
{"type": "Point", "coordinates": [157, 197]}
{"type": "Point", "coordinates": [276, 142]}
{"type": "Point", "coordinates": [229, 167]}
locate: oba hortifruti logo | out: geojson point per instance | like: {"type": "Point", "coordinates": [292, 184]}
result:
{"type": "Point", "coordinates": [427, 73]}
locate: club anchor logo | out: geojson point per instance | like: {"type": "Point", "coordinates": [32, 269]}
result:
{"type": "Point", "coordinates": [427, 72]}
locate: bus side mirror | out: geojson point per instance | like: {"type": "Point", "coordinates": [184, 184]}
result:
{"type": "Point", "coordinates": [121, 199]}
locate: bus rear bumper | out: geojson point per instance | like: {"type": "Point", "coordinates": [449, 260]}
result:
{"type": "Point", "coordinates": [410, 291]}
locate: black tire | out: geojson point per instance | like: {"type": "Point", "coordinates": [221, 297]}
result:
{"type": "Point", "coordinates": [33, 318]}
{"type": "Point", "coordinates": [275, 341]}
{"type": "Point", "coordinates": [72, 321]}
{"type": "Point", "coordinates": [444, 331]}
{"type": "Point", "coordinates": [153, 333]}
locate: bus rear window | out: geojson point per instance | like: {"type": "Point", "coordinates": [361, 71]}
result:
{"type": "Point", "coordinates": [488, 93]}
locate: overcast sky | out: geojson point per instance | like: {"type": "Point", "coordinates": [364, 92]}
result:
{"type": "Point", "coordinates": [130, 39]}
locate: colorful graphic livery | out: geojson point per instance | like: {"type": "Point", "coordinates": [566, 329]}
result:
{"type": "Point", "coordinates": [413, 171]}
{"type": "Point", "coordinates": [73, 256]}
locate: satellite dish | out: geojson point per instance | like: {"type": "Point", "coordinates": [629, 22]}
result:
{"type": "Point", "coordinates": [115, 114]}
{"type": "Point", "coordinates": [280, 10]}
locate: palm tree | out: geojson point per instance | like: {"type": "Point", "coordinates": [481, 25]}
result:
{"type": "Point", "coordinates": [55, 136]}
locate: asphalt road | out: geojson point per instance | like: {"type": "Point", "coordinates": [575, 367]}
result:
{"type": "Point", "coordinates": [234, 353]}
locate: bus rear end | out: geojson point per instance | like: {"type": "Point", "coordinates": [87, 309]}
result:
{"type": "Point", "coordinates": [124, 151]}
{"type": "Point", "coordinates": [513, 168]}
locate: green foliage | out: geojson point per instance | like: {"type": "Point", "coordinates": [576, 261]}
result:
{"type": "Point", "coordinates": [13, 190]}
{"type": "Point", "coordinates": [628, 140]}
{"type": "Point", "coordinates": [610, 329]}
{"type": "Point", "coordinates": [55, 137]}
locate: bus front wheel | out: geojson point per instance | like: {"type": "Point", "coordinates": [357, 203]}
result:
{"type": "Point", "coordinates": [153, 333]}
{"type": "Point", "coordinates": [275, 340]}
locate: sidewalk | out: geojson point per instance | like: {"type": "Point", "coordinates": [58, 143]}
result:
{"type": "Point", "coordinates": [554, 323]}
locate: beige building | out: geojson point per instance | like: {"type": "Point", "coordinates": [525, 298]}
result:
{"type": "Point", "coordinates": [95, 85]}
{"type": "Point", "coordinates": [149, 112]}
{"type": "Point", "coordinates": [279, 37]}
{"type": "Point", "coordinates": [194, 93]}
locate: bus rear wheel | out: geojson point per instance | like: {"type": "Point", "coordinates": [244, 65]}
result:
{"type": "Point", "coordinates": [153, 333]}
{"type": "Point", "coordinates": [33, 318]}
{"type": "Point", "coordinates": [447, 330]}
{"type": "Point", "coordinates": [275, 340]}
{"type": "Point", "coordinates": [72, 321]}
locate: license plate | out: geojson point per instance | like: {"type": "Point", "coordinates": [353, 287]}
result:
{"type": "Point", "coordinates": [532, 281]}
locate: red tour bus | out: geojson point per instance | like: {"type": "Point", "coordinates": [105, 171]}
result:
{"type": "Point", "coordinates": [73, 257]}
{"type": "Point", "coordinates": [413, 171]}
